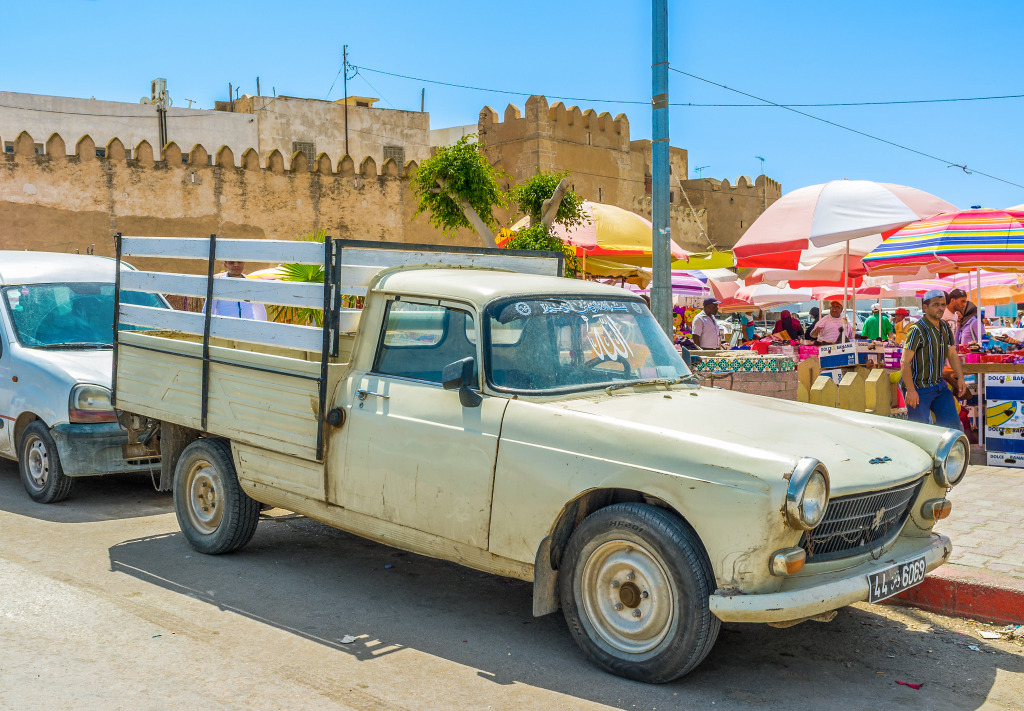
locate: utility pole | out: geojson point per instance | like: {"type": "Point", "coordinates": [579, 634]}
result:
{"type": "Point", "coordinates": [764, 203]}
{"type": "Point", "coordinates": [661, 287]}
{"type": "Point", "coordinates": [423, 98]}
{"type": "Point", "coordinates": [344, 71]}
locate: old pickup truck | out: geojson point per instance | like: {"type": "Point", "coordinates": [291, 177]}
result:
{"type": "Point", "coordinates": [482, 409]}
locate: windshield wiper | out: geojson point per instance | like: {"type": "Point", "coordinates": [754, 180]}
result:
{"type": "Point", "coordinates": [667, 382]}
{"type": "Point", "coordinates": [77, 345]}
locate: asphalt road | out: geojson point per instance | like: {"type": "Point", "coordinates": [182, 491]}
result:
{"type": "Point", "coordinates": [104, 606]}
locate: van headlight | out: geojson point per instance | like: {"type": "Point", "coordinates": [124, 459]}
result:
{"type": "Point", "coordinates": [90, 404]}
{"type": "Point", "coordinates": [951, 459]}
{"type": "Point", "coordinates": [807, 497]}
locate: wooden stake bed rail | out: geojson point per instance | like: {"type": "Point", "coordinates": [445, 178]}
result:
{"type": "Point", "coordinates": [257, 381]}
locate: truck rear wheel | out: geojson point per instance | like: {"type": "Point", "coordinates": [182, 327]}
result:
{"type": "Point", "coordinates": [213, 512]}
{"type": "Point", "coordinates": [39, 465]}
{"type": "Point", "coordinates": [634, 585]}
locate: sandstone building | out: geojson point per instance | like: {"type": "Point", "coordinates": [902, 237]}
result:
{"type": "Point", "coordinates": [75, 171]}
{"type": "Point", "coordinates": [606, 166]}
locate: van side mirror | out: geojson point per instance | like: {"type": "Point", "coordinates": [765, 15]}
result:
{"type": "Point", "coordinates": [459, 376]}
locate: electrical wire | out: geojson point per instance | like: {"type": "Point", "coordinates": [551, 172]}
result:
{"type": "Point", "coordinates": [949, 164]}
{"type": "Point", "coordinates": [375, 90]}
{"type": "Point", "coordinates": [694, 105]}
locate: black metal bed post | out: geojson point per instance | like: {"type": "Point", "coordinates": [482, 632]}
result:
{"type": "Point", "coordinates": [117, 315]}
{"type": "Point", "coordinates": [206, 330]}
{"type": "Point", "coordinates": [328, 339]}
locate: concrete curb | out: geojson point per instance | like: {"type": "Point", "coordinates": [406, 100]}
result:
{"type": "Point", "coordinates": [964, 593]}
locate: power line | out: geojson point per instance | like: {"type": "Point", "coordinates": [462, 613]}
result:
{"type": "Point", "coordinates": [949, 163]}
{"type": "Point", "coordinates": [689, 104]}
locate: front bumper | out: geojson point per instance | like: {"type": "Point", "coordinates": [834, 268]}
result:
{"type": "Point", "coordinates": [89, 450]}
{"type": "Point", "coordinates": [813, 595]}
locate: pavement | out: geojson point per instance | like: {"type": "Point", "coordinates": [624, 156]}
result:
{"type": "Point", "coordinates": [103, 605]}
{"type": "Point", "coordinates": [984, 579]}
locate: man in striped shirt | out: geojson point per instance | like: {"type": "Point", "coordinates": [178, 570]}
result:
{"type": "Point", "coordinates": [929, 345]}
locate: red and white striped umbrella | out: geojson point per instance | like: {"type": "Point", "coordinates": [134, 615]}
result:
{"type": "Point", "coordinates": [837, 211]}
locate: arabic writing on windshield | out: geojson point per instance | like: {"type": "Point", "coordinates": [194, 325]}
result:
{"type": "Point", "coordinates": [551, 343]}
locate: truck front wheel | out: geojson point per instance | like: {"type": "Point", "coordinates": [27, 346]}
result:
{"type": "Point", "coordinates": [213, 512]}
{"type": "Point", "coordinates": [634, 585]}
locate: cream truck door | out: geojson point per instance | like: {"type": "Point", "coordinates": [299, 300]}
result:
{"type": "Point", "coordinates": [415, 455]}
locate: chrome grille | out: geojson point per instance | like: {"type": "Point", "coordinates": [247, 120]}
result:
{"type": "Point", "coordinates": [857, 523]}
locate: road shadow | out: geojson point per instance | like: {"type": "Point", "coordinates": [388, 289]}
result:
{"type": "Point", "coordinates": [93, 498]}
{"type": "Point", "coordinates": [328, 586]}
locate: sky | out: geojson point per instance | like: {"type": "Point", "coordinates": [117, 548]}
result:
{"type": "Point", "coordinates": [600, 52]}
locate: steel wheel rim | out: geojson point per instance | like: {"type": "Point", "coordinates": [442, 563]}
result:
{"type": "Point", "coordinates": [205, 490]}
{"type": "Point", "coordinates": [628, 597]}
{"type": "Point", "coordinates": [37, 463]}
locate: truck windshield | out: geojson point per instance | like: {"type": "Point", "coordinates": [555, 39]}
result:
{"type": "Point", "coordinates": [556, 344]}
{"type": "Point", "coordinates": [73, 315]}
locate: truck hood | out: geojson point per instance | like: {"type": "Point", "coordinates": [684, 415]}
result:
{"type": "Point", "coordinates": [722, 422]}
{"type": "Point", "coordinates": [92, 366]}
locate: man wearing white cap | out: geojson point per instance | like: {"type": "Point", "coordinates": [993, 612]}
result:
{"type": "Point", "coordinates": [877, 326]}
{"type": "Point", "coordinates": [929, 346]}
{"type": "Point", "coordinates": [705, 328]}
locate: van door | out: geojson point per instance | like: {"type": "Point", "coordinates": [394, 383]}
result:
{"type": "Point", "coordinates": [414, 455]}
{"type": "Point", "coordinates": [7, 418]}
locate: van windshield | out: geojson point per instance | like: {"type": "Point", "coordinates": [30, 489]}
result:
{"type": "Point", "coordinates": [73, 315]}
{"type": "Point", "coordinates": [555, 344]}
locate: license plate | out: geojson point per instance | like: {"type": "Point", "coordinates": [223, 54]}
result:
{"type": "Point", "coordinates": [895, 579]}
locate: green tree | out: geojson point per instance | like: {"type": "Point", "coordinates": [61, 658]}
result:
{"type": "Point", "coordinates": [459, 189]}
{"type": "Point", "coordinates": [532, 197]}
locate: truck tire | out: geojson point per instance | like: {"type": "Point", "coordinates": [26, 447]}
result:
{"type": "Point", "coordinates": [634, 584]}
{"type": "Point", "coordinates": [213, 512]}
{"type": "Point", "coordinates": [39, 464]}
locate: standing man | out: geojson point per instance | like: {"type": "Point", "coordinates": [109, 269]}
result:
{"type": "Point", "coordinates": [833, 327]}
{"type": "Point", "coordinates": [877, 326]}
{"type": "Point", "coordinates": [900, 323]}
{"type": "Point", "coordinates": [929, 345]}
{"type": "Point", "coordinates": [969, 318]}
{"type": "Point", "coordinates": [705, 328]}
{"type": "Point", "coordinates": [238, 309]}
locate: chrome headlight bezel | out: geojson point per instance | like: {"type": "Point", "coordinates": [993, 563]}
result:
{"type": "Point", "coordinates": [90, 404]}
{"type": "Point", "coordinates": [947, 444]}
{"type": "Point", "coordinates": [806, 469]}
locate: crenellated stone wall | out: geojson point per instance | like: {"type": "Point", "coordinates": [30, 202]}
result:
{"type": "Point", "coordinates": [51, 201]}
{"type": "Point", "coordinates": [606, 166]}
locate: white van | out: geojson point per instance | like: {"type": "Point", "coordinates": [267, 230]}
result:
{"type": "Point", "coordinates": [56, 360]}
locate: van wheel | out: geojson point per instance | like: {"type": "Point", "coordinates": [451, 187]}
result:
{"type": "Point", "coordinates": [213, 512]}
{"type": "Point", "coordinates": [634, 585]}
{"type": "Point", "coordinates": [39, 464]}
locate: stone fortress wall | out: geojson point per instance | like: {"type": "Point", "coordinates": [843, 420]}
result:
{"type": "Point", "coordinates": [606, 166]}
{"type": "Point", "coordinates": [52, 201]}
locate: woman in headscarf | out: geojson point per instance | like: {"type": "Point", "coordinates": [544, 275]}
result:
{"type": "Point", "coordinates": [815, 317]}
{"type": "Point", "coordinates": [789, 325]}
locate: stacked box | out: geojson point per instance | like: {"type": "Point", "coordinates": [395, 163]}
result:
{"type": "Point", "coordinates": [1002, 459]}
{"type": "Point", "coordinates": [892, 356]}
{"type": "Point", "coordinates": [1004, 417]}
{"type": "Point", "coordinates": [836, 356]}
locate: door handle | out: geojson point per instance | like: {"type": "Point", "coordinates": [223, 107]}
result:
{"type": "Point", "coordinates": [362, 394]}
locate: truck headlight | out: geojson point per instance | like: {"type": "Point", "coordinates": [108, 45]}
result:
{"type": "Point", "coordinates": [951, 459]}
{"type": "Point", "coordinates": [90, 404]}
{"type": "Point", "coordinates": [807, 497]}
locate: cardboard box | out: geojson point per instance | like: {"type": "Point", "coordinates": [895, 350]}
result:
{"type": "Point", "coordinates": [1001, 459]}
{"type": "Point", "coordinates": [836, 356]}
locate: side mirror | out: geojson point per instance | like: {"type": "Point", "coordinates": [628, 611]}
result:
{"type": "Point", "coordinates": [459, 376]}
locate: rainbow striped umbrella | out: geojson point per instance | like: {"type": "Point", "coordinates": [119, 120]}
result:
{"type": "Point", "coordinates": [953, 242]}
